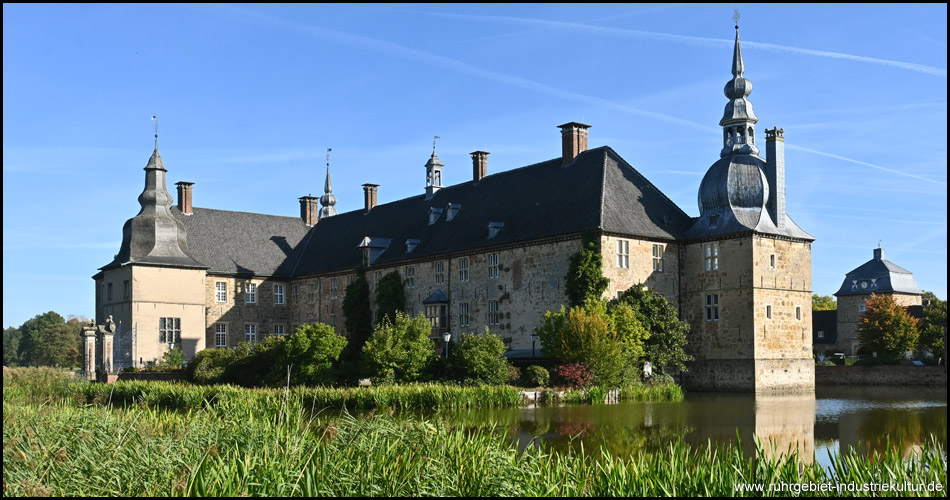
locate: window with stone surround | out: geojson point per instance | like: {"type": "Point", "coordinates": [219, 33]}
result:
{"type": "Point", "coordinates": [493, 316]}
{"type": "Point", "coordinates": [311, 293]}
{"type": "Point", "coordinates": [125, 289]}
{"type": "Point", "coordinates": [623, 254]}
{"type": "Point", "coordinates": [221, 291]}
{"type": "Point", "coordinates": [772, 261]}
{"type": "Point", "coordinates": [657, 258]}
{"type": "Point", "coordinates": [334, 289]}
{"type": "Point", "coordinates": [250, 332]}
{"type": "Point", "coordinates": [169, 330]}
{"type": "Point", "coordinates": [492, 266]}
{"type": "Point", "coordinates": [250, 293]}
{"type": "Point", "coordinates": [377, 276]}
{"type": "Point", "coordinates": [220, 334]}
{"type": "Point", "coordinates": [437, 315]}
{"type": "Point", "coordinates": [463, 269]}
{"type": "Point", "coordinates": [279, 330]}
{"type": "Point", "coordinates": [109, 292]}
{"type": "Point", "coordinates": [768, 311]}
{"type": "Point", "coordinates": [712, 307]}
{"type": "Point", "coordinates": [410, 277]}
{"type": "Point", "coordinates": [296, 294]}
{"type": "Point", "coordinates": [798, 313]}
{"type": "Point", "coordinates": [439, 273]}
{"type": "Point", "coordinates": [279, 295]}
{"type": "Point", "coordinates": [464, 318]}
{"type": "Point", "coordinates": [711, 253]}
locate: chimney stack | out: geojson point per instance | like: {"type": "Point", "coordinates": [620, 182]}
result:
{"type": "Point", "coordinates": [309, 209]}
{"type": "Point", "coordinates": [878, 253]}
{"type": "Point", "coordinates": [573, 141]}
{"type": "Point", "coordinates": [184, 196]}
{"type": "Point", "coordinates": [369, 196]}
{"type": "Point", "coordinates": [775, 174]}
{"type": "Point", "coordinates": [479, 165]}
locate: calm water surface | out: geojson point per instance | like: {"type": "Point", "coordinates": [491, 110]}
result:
{"type": "Point", "coordinates": [831, 421]}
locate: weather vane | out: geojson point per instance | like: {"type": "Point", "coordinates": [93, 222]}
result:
{"type": "Point", "coordinates": [328, 157]}
{"type": "Point", "coordinates": [735, 17]}
{"type": "Point", "coordinates": [434, 138]}
{"type": "Point", "coordinates": [155, 119]}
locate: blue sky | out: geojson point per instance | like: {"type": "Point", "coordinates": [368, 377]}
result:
{"type": "Point", "coordinates": [249, 97]}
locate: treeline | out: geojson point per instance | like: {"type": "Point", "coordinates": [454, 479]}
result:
{"type": "Point", "coordinates": [47, 339]}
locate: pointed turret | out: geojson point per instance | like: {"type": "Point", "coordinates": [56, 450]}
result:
{"type": "Point", "coordinates": [433, 173]}
{"type": "Point", "coordinates": [738, 119]}
{"type": "Point", "coordinates": [327, 200]}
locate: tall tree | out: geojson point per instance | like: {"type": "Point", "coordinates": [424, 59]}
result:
{"type": "Point", "coordinates": [357, 315]}
{"type": "Point", "coordinates": [932, 325]}
{"type": "Point", "coordinates": [11, 346]}
{"type": "Point", "coordinates": [823, 303]}
{"type": "Point", "coordinates": [585, 278]}
{"type": "Point", "coordinates": [31, 338]}
{"type": "Point", "coordinates": [666, 343]}
{"type": "Point", "coordinates": [390, 297]}
{"type": "Point", "coordinates": [886, 328]}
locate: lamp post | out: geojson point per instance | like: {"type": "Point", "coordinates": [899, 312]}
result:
{"type": "Point", "coordinates": [447, 336]}
{"type": "Point", "coordinates": [534, 338]}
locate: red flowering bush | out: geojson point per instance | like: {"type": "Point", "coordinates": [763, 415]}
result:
{"type": "Point", "coordinates": [576, 375]}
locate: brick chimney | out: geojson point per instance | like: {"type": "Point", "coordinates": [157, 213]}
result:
{"type": "Point", "coordinates": [573, 141]}
{"type": "Point", "coordinates": [369, 196]}
{"type": "Point", "coordinates": [184, 196]}
{"type": "Point", "coordinates": [775, 174]}
{"type": "Point", "coordinates": [479, 165]}
{"type": "Point", "coordinates": [309, 209]}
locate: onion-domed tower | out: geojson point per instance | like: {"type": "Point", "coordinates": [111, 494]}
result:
{"type": "Point", "coordinates": [747, 275]}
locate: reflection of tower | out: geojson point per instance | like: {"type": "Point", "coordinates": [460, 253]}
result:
{"type": "Point", "coordinates": [786, 422]}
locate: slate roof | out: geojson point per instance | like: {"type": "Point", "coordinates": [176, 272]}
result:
{"type": "Point", "coordinates": [243, 243]}
{"type": "Point", "coordinates": [880, 275]}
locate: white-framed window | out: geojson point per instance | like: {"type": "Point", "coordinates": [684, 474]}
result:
{"type": "Point", "coordinates": [768, 311]}
{"type": "Point", "coordinates": [125, 289]}
{"type": "Point", "coordinates": [798, 313]}
{"type": "Point", "coordinates": [623, 254]}
{"type": "Point", "coordinates": [658, 258]}
{"type": "Point", "coordinates": [220, 291]}
{"type": "Point", "coordinates": [250, 293]}
{"type": "Point", "coordinates": [378, 276]}
{"type": "Point", "coordinates": [439, 273]}
{"type": "Point", "coordinates": [109, 292]}
{"type": "Point", "coordinates": [437, 315]}
{"type": "Point", "coordinates": [492, 266]}
{"type": "Point", "coordinates": [410, 277]}
{"type": "Point", "coordinates": [712, 307]}
{"type": "Point", "coordinates": [463, 269]}
{"type": "Point", "coordinates": [334, 290]}
{"type": "Point", "coordinates": [250, 332]}
{"type": "Point", "coordinates": [350, 280]}
{"type": "Point", "coordinates": [711, 253]}
{"type": "Point", "coordinates": [220, 334]}
{"type": "Point", "coordinates": [311, 293]}
{"type": "Point", "coordinates": [493, 315]}
{"type": "Point", "coordinates": [772, 261]}
{"type": "Point", "coordinates": [279, 295]}
{"type": "Point", "coordinates": [169, 330]}
{"type": "Point", "coordinates": [464, 318]}
{"type": "Point", "coordinates": [296, 294]}
{"type": "Point", "coordinates": [278, 330]}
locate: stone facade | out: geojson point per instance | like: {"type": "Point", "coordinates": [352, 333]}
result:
{"type": "Point", "coordinates": [850, 309]}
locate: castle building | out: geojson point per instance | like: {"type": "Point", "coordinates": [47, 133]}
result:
{"type": "Point", "coordinates": [493, 252]}
{"type": "Point", "coordinates": [837, 331]}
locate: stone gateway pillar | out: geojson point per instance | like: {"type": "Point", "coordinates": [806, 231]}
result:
{"type": "Point", "coordinates": [89, 350]}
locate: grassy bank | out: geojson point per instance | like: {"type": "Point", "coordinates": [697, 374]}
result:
{"type": "Point", "coordinates": [62, 446]}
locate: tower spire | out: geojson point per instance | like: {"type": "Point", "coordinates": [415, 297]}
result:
{"type": "Point", "coordinates": [155, 119]}
{"type": "Point", "coordinates": [327, 200]}
{"type": "Point", "coordinates": [738, 120]}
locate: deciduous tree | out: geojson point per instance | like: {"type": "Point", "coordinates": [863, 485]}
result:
{"type": "Point", "coordinates": [886, 328]}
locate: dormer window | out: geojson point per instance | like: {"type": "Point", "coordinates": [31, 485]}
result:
{"type": "Point", "coordinates": [434, 214]}
{"type": "Point", "coordinates": [411, 245]}
{"type": "Point", "coordinates": [451, 210]}
{"type": "Point", "coordinates": [713, 220]}
{"type": "Point", "coordinates": [494, 227]}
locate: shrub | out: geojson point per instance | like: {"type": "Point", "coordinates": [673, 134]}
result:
{"type": "Point", "coordinates": [584, 335]}
{"type": "Point", "coordinates": [536, 376]}
{"type": "Point", "coordinates": [209, 366]}
{"type": "Point", "coordinates": [400, 351]}
{"type": "Point", "coordinates": [311, 351]}
{"type": "Point", "coordinates": [514, 374]}
{"type": "Point", "coordinates": [479, 359]}
{"type": "Point", "coordinates": [576, 375]}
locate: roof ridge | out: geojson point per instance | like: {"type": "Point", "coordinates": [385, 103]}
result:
{"type": "Point", "coordinates": [658, 190]}
{"type": "Point", "coordinates": [242, 212]}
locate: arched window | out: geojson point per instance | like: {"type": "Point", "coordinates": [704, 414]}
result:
{"type": "Point", "coordinates": [751, 136]}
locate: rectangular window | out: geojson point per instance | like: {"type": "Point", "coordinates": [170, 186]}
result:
{"type": "Point", "coordinates": [250, 332]}
{"type": "Point", "coordinates": [862, 308]}
{"type": "Point", "coordinates": [436, 314]}
{"type": "Point", "coordinates": [658, 258]}
{"type": "Point", "coordinates": [798, 313]}
{"type": "Point", "coordinates": [333, 320]}
{"type": "Point", "coordinates": [463, 269]}
{"type": "Point", "coordinates": [334, 290]}
{"type": "Point", "coordinates": [279, 295]}
{"type": "Point", "coordinates": [711, 252]}
{"type": "Point", "coordinates": [378, 276]}
{"type": "Point", "coordinates": [712, 307]}
{"type": "Point", "coordinates": [278, 330]}
{"type": "Point", "coordinates": [311, 293]}
{"type": "Point", "coordinates": [493, 315]}
{"type": "Point", "coordinates": [221, 291]}
{"type": "Point", "coordinates": [109, 292]}
{"type": "Point", "coordinates": [623, 254]}
{"type": "Point", "coordinates": [296, 294]}
{"type": "Point", "coordinates": [125, 289]}
{"type": "Point", "coordinates": [464, 318]}
{"type": "Point", "coordinates": [821, 334]}
{"type": "Point", "coordinates": [250, 293]}
{"type": "Point", "coordinates": [350, 280]}
{"type": "Point", "coordinates": [439, 273]}
{"type": "Point", "coordinates": [169, 330]}
{"type": "Point", "coordinates": [492, 266]}
{"type": "Point", "coordinates": [220, 334]}
{"type": "Point", "coordinates": [411, 311]}
{"type": "Point", "coordinates": [772, 261]}
{"type": "Point", "coordinates": [410, 277]}
{"type": "Point", "coordinates": [768, 311]}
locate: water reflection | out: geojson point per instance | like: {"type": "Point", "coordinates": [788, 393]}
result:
{"type": "Point", "coordinates": [812, 425]}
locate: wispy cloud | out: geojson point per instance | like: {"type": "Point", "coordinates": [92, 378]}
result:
{"type": "Point", "coordinates": [866, 164]}
{"type": "Point", "coordinates": [696, 40]}
{"type": "Point", "coordinates": [878, 219]}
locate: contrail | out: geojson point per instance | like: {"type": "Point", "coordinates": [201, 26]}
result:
{"type": "Point", "coordinates": [701, 41]}
{"type": "Point", "coordinates": [866, 164]}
